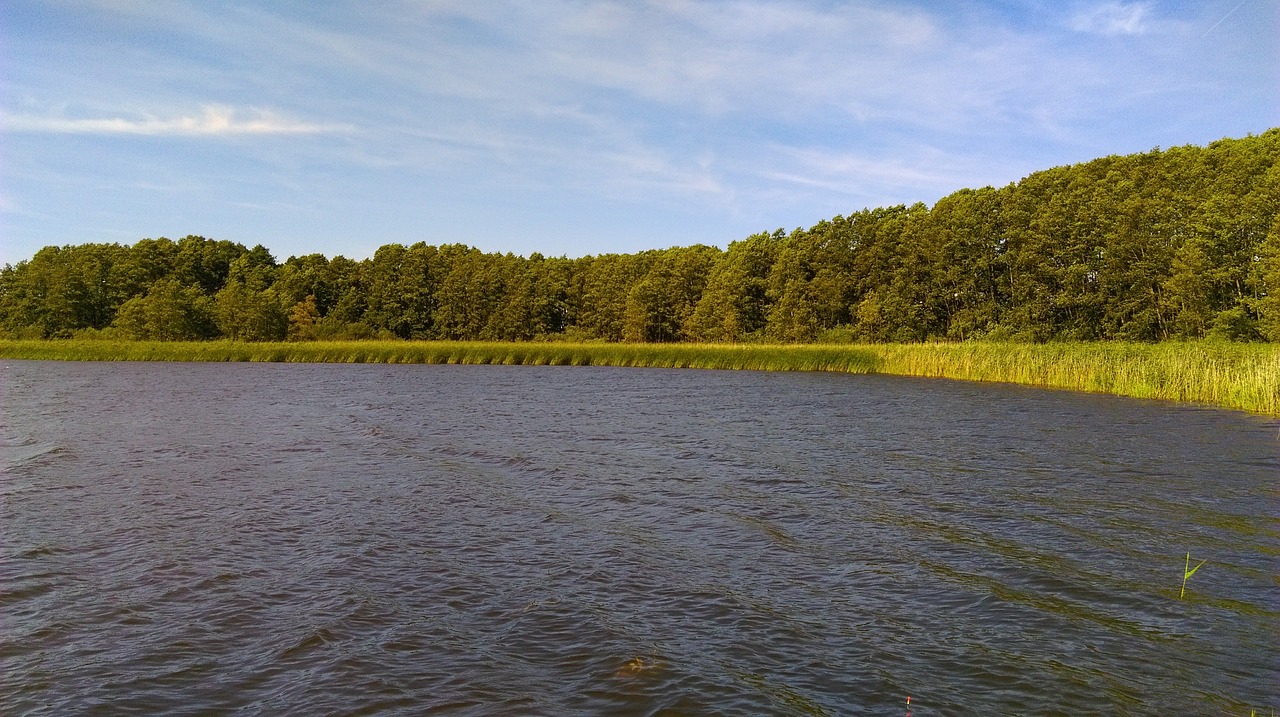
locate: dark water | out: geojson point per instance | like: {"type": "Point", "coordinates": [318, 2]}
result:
{"type": "Point", "coordinates": [323, 539]}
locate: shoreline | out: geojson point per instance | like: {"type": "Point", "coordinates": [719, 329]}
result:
{"type": "Point", "coordinates": [1237, 376]}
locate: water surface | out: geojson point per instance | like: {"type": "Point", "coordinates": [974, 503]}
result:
{"type": "Point", "coordinates": [475, 540]}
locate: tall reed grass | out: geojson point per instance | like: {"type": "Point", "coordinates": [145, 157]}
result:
{"type": "Point", "coordinates": [1239, 376]}
{"type": "Point", "coordinates": [1233, 375]}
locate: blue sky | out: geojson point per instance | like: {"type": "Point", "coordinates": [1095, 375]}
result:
{"type": "Point", "coordinates": [573, 128]}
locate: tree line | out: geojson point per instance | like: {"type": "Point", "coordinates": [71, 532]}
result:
{"type": "Point", "coordinates": [1169, 244]}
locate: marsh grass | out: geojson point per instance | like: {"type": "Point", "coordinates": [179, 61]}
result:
{"type": "Point", "coordinates": [1239, 376]}
{"type": "Point", "coordinates": [1232, 375]}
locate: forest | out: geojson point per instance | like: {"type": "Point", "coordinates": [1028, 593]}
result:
{"type": "Point", "coordinates": [1181, 243]}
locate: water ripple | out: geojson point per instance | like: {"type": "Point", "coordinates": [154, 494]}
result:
{"type": "Point", "coordinates": [262, 539]}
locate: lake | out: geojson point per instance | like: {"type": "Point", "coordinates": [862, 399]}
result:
{"type": "Point", "coordinates": [477, 540]}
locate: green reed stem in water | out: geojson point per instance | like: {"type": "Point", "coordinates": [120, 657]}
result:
{"type": "Point", "coordinates": [1188, 573]}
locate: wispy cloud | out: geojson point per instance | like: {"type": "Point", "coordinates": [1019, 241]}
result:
{"type": "Point", "coordinates": [1113, 18]}
{"type": "Point", "coordinates": [210, 121]}
{"type": "Point", "coordinates": [850, 177]}
{"type": "Point", "coordinates": [605, 118]}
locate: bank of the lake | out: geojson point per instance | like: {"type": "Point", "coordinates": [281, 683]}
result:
{"type": "Point", "coordinates": [1232, 375]}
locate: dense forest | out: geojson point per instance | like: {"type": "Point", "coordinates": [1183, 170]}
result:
{"type": "Point", "coordinates": [1172, 244]}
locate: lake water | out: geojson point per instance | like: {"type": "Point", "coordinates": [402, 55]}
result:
{"type": "Point", "coordinates": [478, 540]}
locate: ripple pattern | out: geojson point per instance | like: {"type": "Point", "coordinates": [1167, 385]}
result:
{"type": "Point", "coordinates": [479, 540]}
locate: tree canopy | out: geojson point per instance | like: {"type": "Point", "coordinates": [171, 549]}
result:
{"type": "Point", "coordinates": [1169, 244]}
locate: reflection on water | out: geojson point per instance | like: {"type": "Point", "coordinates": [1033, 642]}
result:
{"type": "Point", "coordinates": [209, 538]}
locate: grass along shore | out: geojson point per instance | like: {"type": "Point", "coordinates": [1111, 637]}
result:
{"type": "Point", "coordinates": [1238, 376]}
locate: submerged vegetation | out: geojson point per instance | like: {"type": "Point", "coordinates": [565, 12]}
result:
{"type": "Point", "coordinates": [1232, 375]}
{"type": "Point", "coordinates": [1176, 244]}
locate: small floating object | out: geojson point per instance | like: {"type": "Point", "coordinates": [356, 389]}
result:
{"type": "Point", "coordinates": [637, 665]}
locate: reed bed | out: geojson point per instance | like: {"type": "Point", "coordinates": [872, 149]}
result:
{"type": "Point", "coordinates": [708, 356]}
{"type": "Point", "coordinates": [1232, 375]}
{"type": "Point", "coordinates": [1238, 376]}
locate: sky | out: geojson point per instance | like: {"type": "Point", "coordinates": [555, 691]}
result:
{"type": "Point", "coordinates": [582, 127]}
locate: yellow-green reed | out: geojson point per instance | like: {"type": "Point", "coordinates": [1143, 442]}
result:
{"type": "Point", "coordinates": [1233, 375]}
{"type": "Point", "coordinates": [1187, 572]}
{"type": "Point", "coordinates": [709, 356]}
{"type": "Point", "coordinates": [1239, 376]}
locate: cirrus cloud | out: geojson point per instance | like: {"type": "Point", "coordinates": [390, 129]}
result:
{"type": "Point", "coordinates": [1113, 18]}
{"type": "Point", "coordinates": [210, 121]}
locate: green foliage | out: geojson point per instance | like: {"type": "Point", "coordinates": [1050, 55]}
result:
{"type": "Point", "coordinates": [808, 284]}
{"type": "Point", "coordinates": [1178, 244]}
{"type": "Point", "coordinates": [661, 303]}
{"type": "Point", "coordinates": [734, 304]}
{"type": "Point", "coordinates": [65, 290]}
{"type": "Point", "coordinates": [303, 318]}
{"type": "Point", "coordinates": [244, 314]}
{"type": "Point", "coordinates": [1235, 324]}
{"type": "Point", "coordinates": [1264, 280]}
{"type": "Point", "coordinates": [402, 289]}
{"type": "Point", "coordinates": [606, 286]}
{"type": "Point", "coordinates": [168, 312]}
{"type": "Point", "coordinates": [332, 328]}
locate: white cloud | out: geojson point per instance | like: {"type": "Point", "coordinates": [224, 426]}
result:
{"type": "Point", "coordinates": [920, 172]}
{"type": "Point", "coordinates": [716, 108]}
{"type": "Point", "coordinates": [851, 172]}
{"type": "Point", "coordinates": [1113, 18]}
{"type": "Point", "coordinates": [211, 121]}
